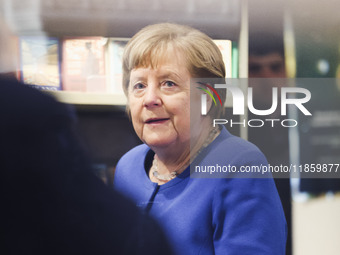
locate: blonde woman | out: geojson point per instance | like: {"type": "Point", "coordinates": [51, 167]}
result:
{"type": "Point", "coordinates": [198, 215]}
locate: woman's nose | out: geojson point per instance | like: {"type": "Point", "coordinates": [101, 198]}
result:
{"type": "Point", "coordinates": [152, 97]}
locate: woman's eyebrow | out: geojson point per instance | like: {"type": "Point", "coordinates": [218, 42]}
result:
{"type": "Point", "coordinates": [138, 78]}
{"type": "Point", "coordinates": [171, 75]}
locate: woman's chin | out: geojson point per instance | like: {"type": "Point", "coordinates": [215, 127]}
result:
{"type": "Point", "coordinates": [168, 143]}
{"type": "Point", "coordinates": [156, 143]}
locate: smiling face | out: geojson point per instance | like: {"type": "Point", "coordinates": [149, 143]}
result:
{"type": "Point", "coordinates": [159, 102]}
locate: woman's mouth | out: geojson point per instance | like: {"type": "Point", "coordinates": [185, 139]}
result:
{"type": "Point", "coordinates": [155, 121]}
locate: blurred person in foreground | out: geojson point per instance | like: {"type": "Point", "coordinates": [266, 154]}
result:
{"type": "Point", "coordinates": [198, 215]}
{"type": "Point", "coordinates": [267, 70]}
{"type": "Point", "coordinates": [52, 203]}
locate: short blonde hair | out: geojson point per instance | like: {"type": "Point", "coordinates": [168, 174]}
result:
{"type": "Point", "coordinates": [149, 47]}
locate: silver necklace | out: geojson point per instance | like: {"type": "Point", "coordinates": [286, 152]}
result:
{"type": "Point", "coordinates": [174, 174]}
{"type": "Point", "coordinates": [161, 177]}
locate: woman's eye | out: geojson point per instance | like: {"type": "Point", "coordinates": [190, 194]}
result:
{"type": "Point", "coordinates": [169, 84]}
{"type": "Point", "coordinates": [138, 86]}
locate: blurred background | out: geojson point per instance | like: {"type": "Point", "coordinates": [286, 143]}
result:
{"type": "Point", "coordinates": [72, 50]}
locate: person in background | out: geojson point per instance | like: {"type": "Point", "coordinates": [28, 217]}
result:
{"type": "Point", "coordinates": [266, 57]}
{"type": "Point", "coordinates": [266, 61]}
{"type": "Point", "coordinates": [51, 202]}
{"type": "Point", "coordinates": [199, 215]}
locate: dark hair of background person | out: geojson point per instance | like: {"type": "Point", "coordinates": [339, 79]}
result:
{"type": "Point", "coordinates": [52, 203]}
{"type": "Point", "coordinates": [263, 44]}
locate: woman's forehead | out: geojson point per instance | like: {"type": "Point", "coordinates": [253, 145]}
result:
{"type": "Point", "coordinates": [169, 61]}
{"type": "Point", "coordinates": [159, 56]}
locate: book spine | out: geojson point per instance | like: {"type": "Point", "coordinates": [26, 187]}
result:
{"type": "Point", "coordinates": [83, 64]}
{"type": "Point", "coordinates": [40, 62]}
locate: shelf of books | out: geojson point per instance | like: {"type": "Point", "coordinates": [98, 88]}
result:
{"type": "Point", "coordinates": [86, 70]}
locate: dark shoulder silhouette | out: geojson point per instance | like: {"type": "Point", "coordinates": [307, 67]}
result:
{"type": "Point", "coordinates": [52, 202]}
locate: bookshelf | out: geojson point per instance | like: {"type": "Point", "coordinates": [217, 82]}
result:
{"type": "Point", "coordinates": [82, 71]}
{"type": "Point", "coordinates": [112, 19]}
{"type": "Point", "coordinates": [90, 99]}
{"type": "Point", "coordinates": [87, 71]}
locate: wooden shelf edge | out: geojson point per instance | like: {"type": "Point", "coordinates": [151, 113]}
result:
{"type": "Point", "coordinates": [89, 98]}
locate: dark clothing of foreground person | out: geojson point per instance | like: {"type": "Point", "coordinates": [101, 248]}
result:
{"type": "Point", "coordinates": [51, 201]}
